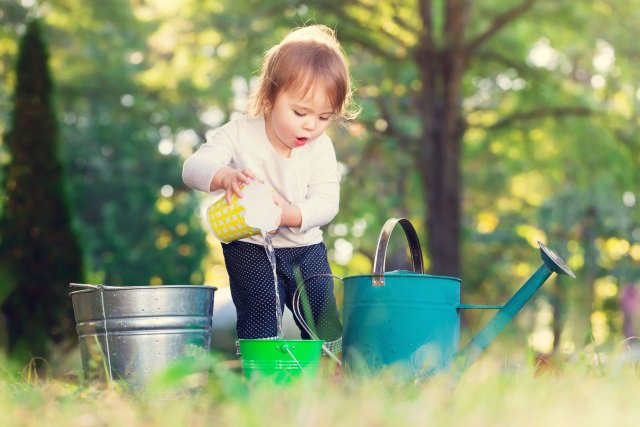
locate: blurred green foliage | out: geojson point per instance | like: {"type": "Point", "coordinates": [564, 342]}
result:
{"type": "Point", "coordinates": [39, 250]}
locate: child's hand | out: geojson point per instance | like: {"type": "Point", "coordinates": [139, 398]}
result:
{"type": "Point", "coordinates": [291, 216]}
{"type": "Point", "coordinates": [281, 203]}
{"type": "Point", "coordinates": [231, 180]}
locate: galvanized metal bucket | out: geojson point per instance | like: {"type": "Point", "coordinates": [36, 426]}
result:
{"type": "Point", "coordinates": [131, 333]}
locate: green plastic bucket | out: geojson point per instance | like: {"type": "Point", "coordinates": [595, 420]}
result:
{"type": "Point", "coordinates": [280, 360]}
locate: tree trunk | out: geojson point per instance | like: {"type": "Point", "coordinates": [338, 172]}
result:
{"type": "Point", "coordinates": [583, 294]}
{"type": "Point", "coordinates": [443, 127]}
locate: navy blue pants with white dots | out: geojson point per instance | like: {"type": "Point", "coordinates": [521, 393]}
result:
{"type": "Point", "coordinates": [253, 291]}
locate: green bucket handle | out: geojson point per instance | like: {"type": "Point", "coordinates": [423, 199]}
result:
{"type": "Point", "coordinates": [285, 348]}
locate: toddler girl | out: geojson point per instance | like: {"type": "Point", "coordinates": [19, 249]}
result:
{"type": "Point", "coordinates": [304, 87]}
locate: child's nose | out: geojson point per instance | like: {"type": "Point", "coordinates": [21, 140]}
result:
{"type": "Point", "coordinates": [309, 123]}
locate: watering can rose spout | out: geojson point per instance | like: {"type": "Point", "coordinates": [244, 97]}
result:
{"type": "Point", "coordinates": [552, 263]}
{"type": "Point", "coordinates": [412, 319]}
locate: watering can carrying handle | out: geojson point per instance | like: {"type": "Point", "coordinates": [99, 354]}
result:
{"type": "Point", "coordinates": [383, 242]}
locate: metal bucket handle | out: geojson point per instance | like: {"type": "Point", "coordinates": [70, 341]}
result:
{"type": "Point", "coordinates": [381, 250]}
{"type": "Point", "coordinates": [85, 287]}
{"type": "Point", "coordinates": [297, 313]}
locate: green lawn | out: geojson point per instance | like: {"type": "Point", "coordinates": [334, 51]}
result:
{"type": "Point", "coordinates": [586, 391]}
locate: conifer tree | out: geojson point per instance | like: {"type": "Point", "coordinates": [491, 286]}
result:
{"type": "Point", "coordinates": [39, 252]}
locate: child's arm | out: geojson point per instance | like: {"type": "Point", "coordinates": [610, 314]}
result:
{"type": "Point", "coordinates": [322, 200]}
{"type": "Point", "coordinates": [201, 167]}
{"type": "Point", "coordinates": [215, 166]}
{"type": "Point", "coordinates": [291, 215]}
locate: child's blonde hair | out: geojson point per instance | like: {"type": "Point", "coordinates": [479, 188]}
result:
{"type": "Point", "coordinates": [305, 56]}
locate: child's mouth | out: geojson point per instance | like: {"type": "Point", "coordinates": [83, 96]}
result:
{"type": "Point", "coordinates": [301, 141]}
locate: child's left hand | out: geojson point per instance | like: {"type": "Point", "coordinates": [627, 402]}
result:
{"type": "Point", "coordinates": [291, 216]}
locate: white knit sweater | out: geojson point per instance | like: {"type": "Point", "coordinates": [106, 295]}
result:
{"type": "Point", "coordinates": [308, 179]}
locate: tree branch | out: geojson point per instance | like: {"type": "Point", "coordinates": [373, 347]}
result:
{"type": "Point", "coordinates": [402, 22]}
{"type": "Point", "coordinates": [499, 22]}
{"type": "Point", "coordinates": [362, 35]}
{"type": "Point", "coordinates": [555, 112]}
{"type": "Point", "coordinates": [498, 58]}
{"type": "Point", "coordinates": [427, 21]}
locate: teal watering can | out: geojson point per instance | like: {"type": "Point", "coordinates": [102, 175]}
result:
{"type": "Point", "coordinates": [412, 320]}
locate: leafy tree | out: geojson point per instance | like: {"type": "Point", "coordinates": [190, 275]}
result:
{"type": "Point", "coordinates": [39, 251]}
{"type": "Point", "coordinates": [486, 108]}
{"type": "Point", "coordinates": [122, 142]}
{"type": "Point", "coordinates": [12, 17]}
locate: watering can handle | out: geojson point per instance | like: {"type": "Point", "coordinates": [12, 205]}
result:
{"type": "Point", "coordinates": [383, 242]}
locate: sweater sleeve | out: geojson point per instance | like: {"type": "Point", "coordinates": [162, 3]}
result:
{"type": "Point", "coordinates": [323, 197]}
{"type": "Point", "coordinates": [200, 167]}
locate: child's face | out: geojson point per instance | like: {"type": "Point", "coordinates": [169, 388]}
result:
{"type": "Point", "coordinates": [296, 119]}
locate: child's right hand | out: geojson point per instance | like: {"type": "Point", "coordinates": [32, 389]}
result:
{"type": "Point", "coordinates": [231, 181]}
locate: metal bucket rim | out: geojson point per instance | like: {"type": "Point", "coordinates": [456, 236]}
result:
{"type": "Point", "coordinates": [94, 288]}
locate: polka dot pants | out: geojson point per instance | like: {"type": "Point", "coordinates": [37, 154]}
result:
{"type": "Point", "coordinates": [253, 290]}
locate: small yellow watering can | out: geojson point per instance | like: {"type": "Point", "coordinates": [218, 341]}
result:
{"type": "Point", "coordinates": [254, 213]}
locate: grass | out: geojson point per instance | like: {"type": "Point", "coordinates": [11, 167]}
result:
{"type": "Point", "coordinates": [589, 390]}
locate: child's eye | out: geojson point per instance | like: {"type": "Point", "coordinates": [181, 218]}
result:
{"type": "Point", "coordinates": [298, 113]}
{"type": "Point", "coordinates": [325, 118]}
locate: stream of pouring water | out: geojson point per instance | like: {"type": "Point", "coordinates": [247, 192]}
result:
{"type": "Point", "coordinates": [271, 254]}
